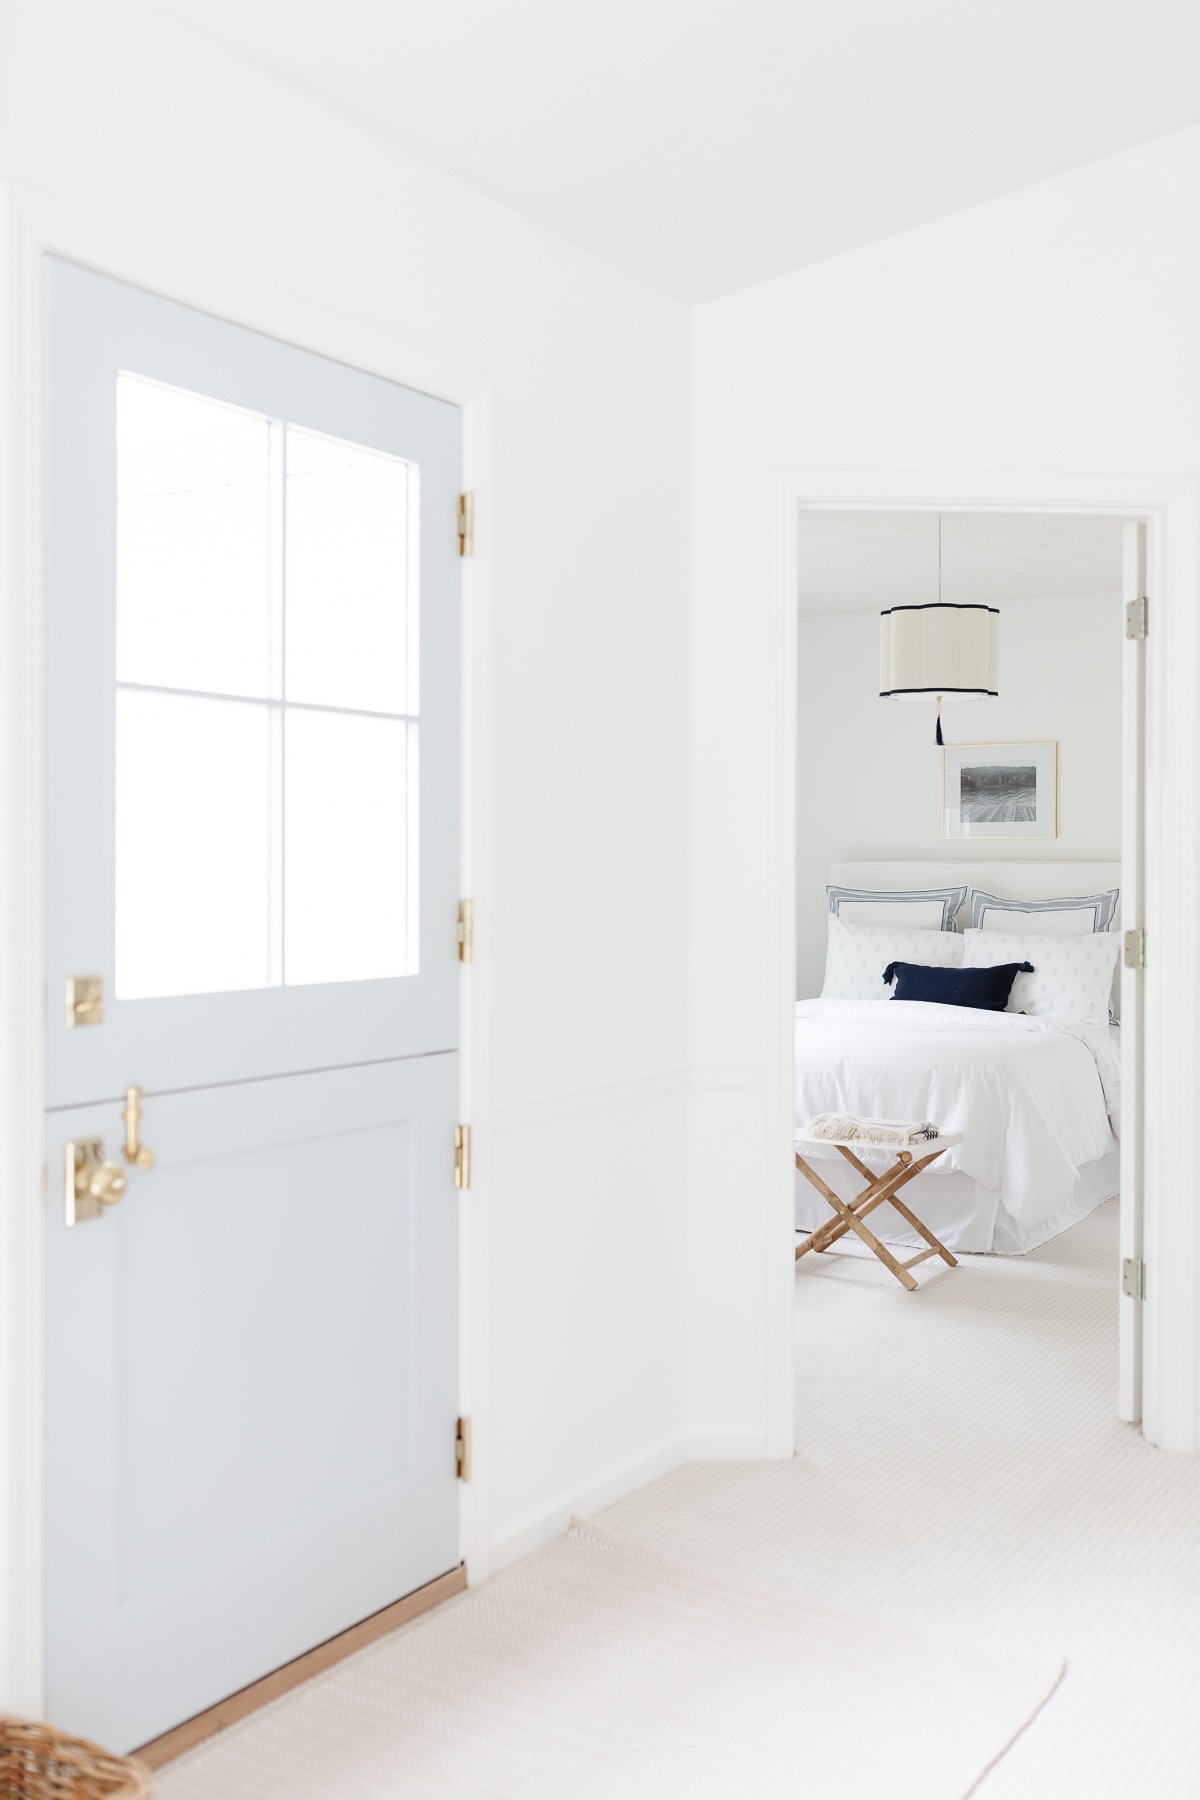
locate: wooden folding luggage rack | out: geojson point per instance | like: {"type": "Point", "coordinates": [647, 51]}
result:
{"type": "Point", "coordinates": [850, 1215]}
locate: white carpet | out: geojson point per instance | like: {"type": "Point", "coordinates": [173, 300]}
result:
{"type": "Point", "coordinates": [959, 1467]}
{"type": "Point", "coordinates": [960, 1464]}
{"type": "Point", "coordinates": [600, 1671]}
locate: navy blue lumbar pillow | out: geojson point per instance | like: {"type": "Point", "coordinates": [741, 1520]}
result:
{"type": "Point", "coordinates": [987, 989]}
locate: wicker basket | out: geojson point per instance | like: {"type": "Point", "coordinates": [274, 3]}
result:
{"type": "Point", "coordinates": [39, 1763]}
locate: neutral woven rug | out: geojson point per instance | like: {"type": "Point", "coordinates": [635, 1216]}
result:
{"type": "Point", "coordinates": [600, 1670]}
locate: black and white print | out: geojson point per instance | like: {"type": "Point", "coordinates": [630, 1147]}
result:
{"type": "Point", "coordinates": [998, 793]}
{"type": "Point", "coordinates": [1000, 790]}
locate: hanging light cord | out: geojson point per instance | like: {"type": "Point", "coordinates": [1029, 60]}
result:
{"type": "Point", "coordinates": [937, 736]}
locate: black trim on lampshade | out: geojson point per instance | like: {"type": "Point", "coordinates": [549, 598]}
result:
{"type": "Point", "coordinates": [943, 606]}
{"type": "Point", "coordinates": [984, 693]}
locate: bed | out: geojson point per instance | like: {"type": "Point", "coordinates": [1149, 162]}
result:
{"type": "Point", "coordinates": [1036, 1098]}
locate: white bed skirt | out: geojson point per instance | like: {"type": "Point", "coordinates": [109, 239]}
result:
{"type": "Point", "coordinates": [964, 1215]}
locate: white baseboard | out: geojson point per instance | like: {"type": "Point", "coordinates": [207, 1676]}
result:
{"type": "Point", "coordinates": [709, 1443]}
{"type": "Point", "coordinates": [534, 1530]}
{"type": "Point", "coordinates": [727, 1443]}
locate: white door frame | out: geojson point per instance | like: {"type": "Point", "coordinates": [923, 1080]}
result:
{"type": "Point", "coordinates": [1171, 507]}
{"type": "Point", "coordinates": [32, 228]}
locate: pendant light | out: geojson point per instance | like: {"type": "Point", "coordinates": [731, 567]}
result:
{"type": "Point", "coordinates": [939, 649]}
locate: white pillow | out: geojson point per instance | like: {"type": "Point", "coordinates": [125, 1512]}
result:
{"type": "Point", "coordinates": [1072, 976]}
{"type": "Point", "coordinates": [1064, 917]}
{"type": "Point", "coordinates": [857, 955]}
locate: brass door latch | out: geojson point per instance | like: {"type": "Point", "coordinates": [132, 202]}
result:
{"type": "Point", "coordinates": [90, 1184]}
{"type": "Point", "coordinates": [137, 1154]}
{"type": "Point", "coordinates": [85, 1001]}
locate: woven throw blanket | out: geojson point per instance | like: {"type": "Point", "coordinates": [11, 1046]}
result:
{"type": "Point", "coordinates": [869, 1131]}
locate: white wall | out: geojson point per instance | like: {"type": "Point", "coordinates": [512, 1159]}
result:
{"type": "Point", "coordinates": [869, 774]}
{"type": "Point", "coordinates": [1052, 329]}
{"type": "Point", "coordinates": [113, 113]}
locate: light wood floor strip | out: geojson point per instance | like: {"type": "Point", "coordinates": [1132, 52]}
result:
{"type": "Point", "coordinates": [227, 1712]}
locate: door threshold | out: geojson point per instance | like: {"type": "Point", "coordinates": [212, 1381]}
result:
{"type": "Point", "coordinates": [246, 1700]}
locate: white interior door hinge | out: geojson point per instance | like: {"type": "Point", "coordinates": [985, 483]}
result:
{"type": "Point", "coordinates": [1135, 949]}
{"type": "Point", "coordinates": [466, 524]}
{"type": "Point", "coordinates": [1137, 617]}
{"type": "Point", "coordinates": [462, 1449]}
{"type": "Point", "coordinates": [462, 1156]}
{"type": "Point", "coordinates": [466, 931]}
{"type": "Point", "coordinates": [1133, 1278]}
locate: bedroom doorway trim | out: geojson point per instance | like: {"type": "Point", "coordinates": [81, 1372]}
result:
{"type": "Point", "coordinates": [31, 229]}
{"type": "Point", "coordinates": [1170, 507]}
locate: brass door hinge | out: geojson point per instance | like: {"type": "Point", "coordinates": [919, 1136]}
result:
{"type": "Point", "coordinates": [466, 524]}
{"type": "Point", "coordinates": [1137, 618]}
{"type": "Point", "coordinates": [466, 930]}
{"type": "Point", "coordinates": [1135, 949]}
{"type": "Point", "coordinates": [462, 1156]}
{"type": "Point", "coordinates": [1133, 1278]}
{"type": "Point", "coordinates": [462, 1449]}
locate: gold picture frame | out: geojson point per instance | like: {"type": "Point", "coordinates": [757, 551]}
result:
{"type": "Point", "coordinates": [1010, 794]}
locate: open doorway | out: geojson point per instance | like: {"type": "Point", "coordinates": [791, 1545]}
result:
{"type": "Point", "coordinates": [1008, 856]}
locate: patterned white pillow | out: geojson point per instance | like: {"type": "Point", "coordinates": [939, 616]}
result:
{"type": "Point", "coordinates": [1072, 976]}
{"type": "Point", "coordinates": [857, 955]}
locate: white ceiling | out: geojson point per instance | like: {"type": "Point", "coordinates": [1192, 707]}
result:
{"type": "Point", "coordinates": [864, 561]}
{"type": "Point", "coordinates": [704, 145]}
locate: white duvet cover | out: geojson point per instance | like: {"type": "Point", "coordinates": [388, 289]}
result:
{"type": "Point", "coordinates": [1035, 1099]}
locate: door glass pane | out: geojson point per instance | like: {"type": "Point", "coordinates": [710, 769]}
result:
{"type": "Point", "coordinates": [347, 600]}
{"type": "Point", "coordinates": [346, 821]}
{"type": "Point", "coordinates": [193, 845]}
{"type": "Point", "coordinates": [260, 842]}
{"type": "Point", "coordinates": [193, 541]}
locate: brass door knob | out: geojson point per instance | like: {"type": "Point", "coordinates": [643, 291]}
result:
{"type": "Point", "coordinates": [92, 1185]}
{"type": "Point", "coordinates": [105, 1183]}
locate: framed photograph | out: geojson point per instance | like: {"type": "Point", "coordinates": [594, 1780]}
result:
{"type": "Point", "coordinates": [1000, 790]}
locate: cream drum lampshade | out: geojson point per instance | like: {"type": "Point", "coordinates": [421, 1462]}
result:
{"type": "Point", "coordinates": [939, 650]}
